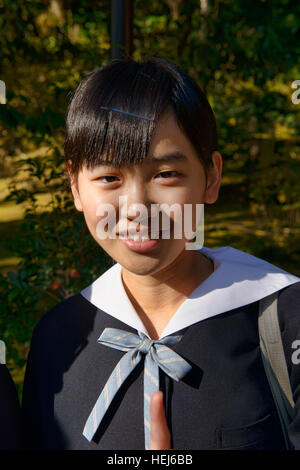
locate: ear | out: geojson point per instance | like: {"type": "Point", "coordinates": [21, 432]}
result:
{"type": "Point", "coordinates": [74, 187]}
{"type": "Point", "coordinates": [213, 180]}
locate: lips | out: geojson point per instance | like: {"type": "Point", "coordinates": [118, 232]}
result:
{"type": "Point", "coordinates": [140, 234]}
{"type": "Point", "coordinates": [141, 246]}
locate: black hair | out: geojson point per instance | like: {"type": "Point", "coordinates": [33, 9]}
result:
{"type": "Point", "coordinates": [143, 88]}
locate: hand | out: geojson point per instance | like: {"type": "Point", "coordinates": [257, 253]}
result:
{"type": "Point", "coordinates": [160, 438]}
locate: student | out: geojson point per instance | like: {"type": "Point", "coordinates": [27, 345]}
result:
{"type": "Point", "coordinates": [11, 432]}
{"type": "Point", "coordinates": [144, 133]}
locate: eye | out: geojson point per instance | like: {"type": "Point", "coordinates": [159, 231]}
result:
{"type": "Point", "coordinates": [167, 174]}
{"type": "Point", "coordinates": [107, 177]}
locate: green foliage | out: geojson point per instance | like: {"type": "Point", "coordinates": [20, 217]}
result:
{"type": "Point", "coordinates": [243, 54]}
{"type": "Point", "coordinates": [58, 256]}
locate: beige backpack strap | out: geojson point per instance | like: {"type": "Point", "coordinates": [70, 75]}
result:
{"type": "Point", "coordinates": [274, 361]}
{"type": "Point", "coordinates": [2, 352]}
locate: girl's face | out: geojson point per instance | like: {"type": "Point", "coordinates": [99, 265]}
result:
{"type": "Point", "coordinates": [157, 180]}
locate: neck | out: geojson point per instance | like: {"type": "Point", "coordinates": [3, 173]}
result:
{"type": "Point", "coordinates": [157, 297]}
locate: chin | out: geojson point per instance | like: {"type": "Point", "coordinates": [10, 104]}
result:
{"type": "Point", "coordinates": [142, 267]}
{"type": "Point", "coordinates": [147, 263]}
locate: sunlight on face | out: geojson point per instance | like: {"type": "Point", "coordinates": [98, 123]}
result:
{"type": "Point", "coordinates": [171, 174]}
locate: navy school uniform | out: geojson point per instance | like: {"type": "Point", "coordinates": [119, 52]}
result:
{"type": "Point", "coordinates": [224, 402]}
{"type": "Point", "coordinates": [11, 433]}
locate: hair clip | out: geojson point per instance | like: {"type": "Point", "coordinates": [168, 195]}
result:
{"type": "Point", "coordinates": [126, 112]}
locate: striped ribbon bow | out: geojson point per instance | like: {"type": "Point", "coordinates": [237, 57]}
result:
{"type": "Point", "coordinates": [157, 354]}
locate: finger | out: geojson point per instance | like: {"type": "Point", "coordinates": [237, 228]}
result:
{"type": "Point", "coordinates": [160, 438]}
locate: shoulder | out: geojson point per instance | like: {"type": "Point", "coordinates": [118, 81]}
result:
{"type": "Point", "coordinates": [290, 293]}
{"type": "Point", "coordinates": [289, 305]}
{"type": "Point", "coordinates": [5, 380]}
{"type": "Point", "coordinates": [288, 309]}
{"type": "Point", "coordinates": [66, 316]}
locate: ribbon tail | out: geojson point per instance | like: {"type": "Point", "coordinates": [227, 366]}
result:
{"type": "Point", "coordinates": [118, 376]}
{"type": "Point", "coordinates": [151, 385]}
{"type": "Point", "coordinates": [183, 368]}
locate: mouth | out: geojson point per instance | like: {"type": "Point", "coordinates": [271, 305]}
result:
{"type": "Point", "coordinates": [141, 244]}
{"type": "Point", "coordinates": [141, 236]}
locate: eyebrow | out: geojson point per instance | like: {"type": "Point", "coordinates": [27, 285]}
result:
{"type": "Point", "coordinates": [166, 158]}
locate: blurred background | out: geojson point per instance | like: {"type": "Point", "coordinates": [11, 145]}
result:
{"type": "Point", "coordinates": [244, 54]}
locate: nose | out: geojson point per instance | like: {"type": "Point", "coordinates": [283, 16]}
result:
{"type": "Point", "coordinates": [138, 210]}
{"type": "Point", "coordinates": [137, 201]}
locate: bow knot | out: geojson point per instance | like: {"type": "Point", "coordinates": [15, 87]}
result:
{"type": "Point", "coordinates": [145, 345]}
{"type": "Point", "coordinates": [157, 354]}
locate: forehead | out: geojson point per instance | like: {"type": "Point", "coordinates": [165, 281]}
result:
{"type": "Point", "coordinates": [167, 135]}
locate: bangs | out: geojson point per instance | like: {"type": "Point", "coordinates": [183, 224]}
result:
{"type": "Point", "coordinates": [95, 135]}
{"type": "Point", "coordinates": [114, 111]}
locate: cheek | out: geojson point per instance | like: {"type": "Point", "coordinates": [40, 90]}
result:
{"type": "Point", "coordinates": [91, 202]}
{"type": "Point", "coordinates": [192, 191]}
{"type": "Point", "coordinates": [101, 217]}
{"type": "Point", "coordinates": [191, 205]}
{"type": "Point", "coordinates": [186, 218]}
{"type": "Point", "coordinates": [89, 213]}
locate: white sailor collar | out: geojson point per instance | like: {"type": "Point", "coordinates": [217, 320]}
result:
{"type": "Point", "coordinates": [238, 279]}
